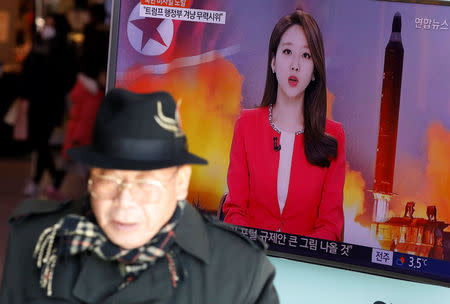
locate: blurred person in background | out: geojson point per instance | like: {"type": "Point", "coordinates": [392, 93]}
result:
{"type": "Point", "coordinates": [24, 31]}
{"type": "Point", "coordinates": [89, 89]}
{"type": "Point", "coordinates": [49, 73]}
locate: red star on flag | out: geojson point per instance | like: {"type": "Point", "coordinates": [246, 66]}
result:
{"type": "Point", "coordinates": [149, 28]}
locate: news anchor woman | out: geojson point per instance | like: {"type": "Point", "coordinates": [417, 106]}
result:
{"type": "Point", "coordinates": [287, 161]}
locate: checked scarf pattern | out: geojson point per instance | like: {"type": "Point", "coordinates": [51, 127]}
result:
{"type": "Point", "coordinates": [75, 234]}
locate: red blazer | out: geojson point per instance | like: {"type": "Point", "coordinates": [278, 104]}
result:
{"type": "Point", "coordinates": [315, 195]}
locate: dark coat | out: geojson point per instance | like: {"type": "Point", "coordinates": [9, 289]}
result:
{"type": "Point", "coordinates": [49, 73]}
{"type": "Point", "coordinates": [219, 266]}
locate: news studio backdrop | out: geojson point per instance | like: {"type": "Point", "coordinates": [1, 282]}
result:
{"type": "Point", "coordinates": [391, 98]}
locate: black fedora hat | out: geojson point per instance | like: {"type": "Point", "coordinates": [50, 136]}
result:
{"type": "Point", "coordinates": [136, 132]}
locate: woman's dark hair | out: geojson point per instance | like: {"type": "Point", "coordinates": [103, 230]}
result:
{"type": "Point", "coordinates": [319, 147]}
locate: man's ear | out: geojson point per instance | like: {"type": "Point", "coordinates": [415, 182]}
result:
{"type": "Point", "coordinates": [182, 182]}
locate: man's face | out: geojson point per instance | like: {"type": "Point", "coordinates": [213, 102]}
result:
{"type": "Point", "coordinates": [132, 206]}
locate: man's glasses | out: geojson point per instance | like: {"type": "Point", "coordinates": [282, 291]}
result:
{"type": "Point", "coordinates": [106, 187]}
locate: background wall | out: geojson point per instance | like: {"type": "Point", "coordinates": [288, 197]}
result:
{"type": "Point", "coordinates": [8, 16]}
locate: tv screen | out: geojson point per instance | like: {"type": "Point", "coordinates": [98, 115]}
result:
{"type": "Point", "coordinates": [325, 123]}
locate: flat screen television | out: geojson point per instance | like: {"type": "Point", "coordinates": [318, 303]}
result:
{"type": "Point", "coordinates": [387, 65]}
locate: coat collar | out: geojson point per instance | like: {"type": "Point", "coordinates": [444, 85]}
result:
{"type": "Point", "coordinates": [97, 282]}
{"type": "Point", "coordinates": [191, 234]}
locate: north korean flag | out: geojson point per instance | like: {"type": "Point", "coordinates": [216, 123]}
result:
{"type": "Point", "coordinates": [161, 45]}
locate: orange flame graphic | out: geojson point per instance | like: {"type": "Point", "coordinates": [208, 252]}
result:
{"type": "Point", "coordinates": [438, 169]}
{"type": "Point", "coordinates": [355, 229]}
{"type": "Point", "coordinates": [211, 95]}
{"type": "Point", "coordinates": [427, 184]}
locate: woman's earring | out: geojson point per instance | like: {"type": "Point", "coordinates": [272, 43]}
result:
{"type": "Point", "coordinates": [313, 78]}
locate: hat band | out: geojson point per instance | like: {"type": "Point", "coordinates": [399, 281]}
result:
{"type": "Point", "coordinates": [141, 149]}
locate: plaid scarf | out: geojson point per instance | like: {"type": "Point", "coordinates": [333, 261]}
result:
{"type": "Point", "coordinates": [75, 234]}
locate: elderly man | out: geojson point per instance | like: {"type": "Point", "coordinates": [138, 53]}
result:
{"type": "Point", "coordinates": [134, 239]}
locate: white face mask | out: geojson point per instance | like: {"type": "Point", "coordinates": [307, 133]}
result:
{"type": "Point", "coordinates": [48, 32]}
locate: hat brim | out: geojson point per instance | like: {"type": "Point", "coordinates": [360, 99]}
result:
{"type": "Point", "coordinates": [92, 158]}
